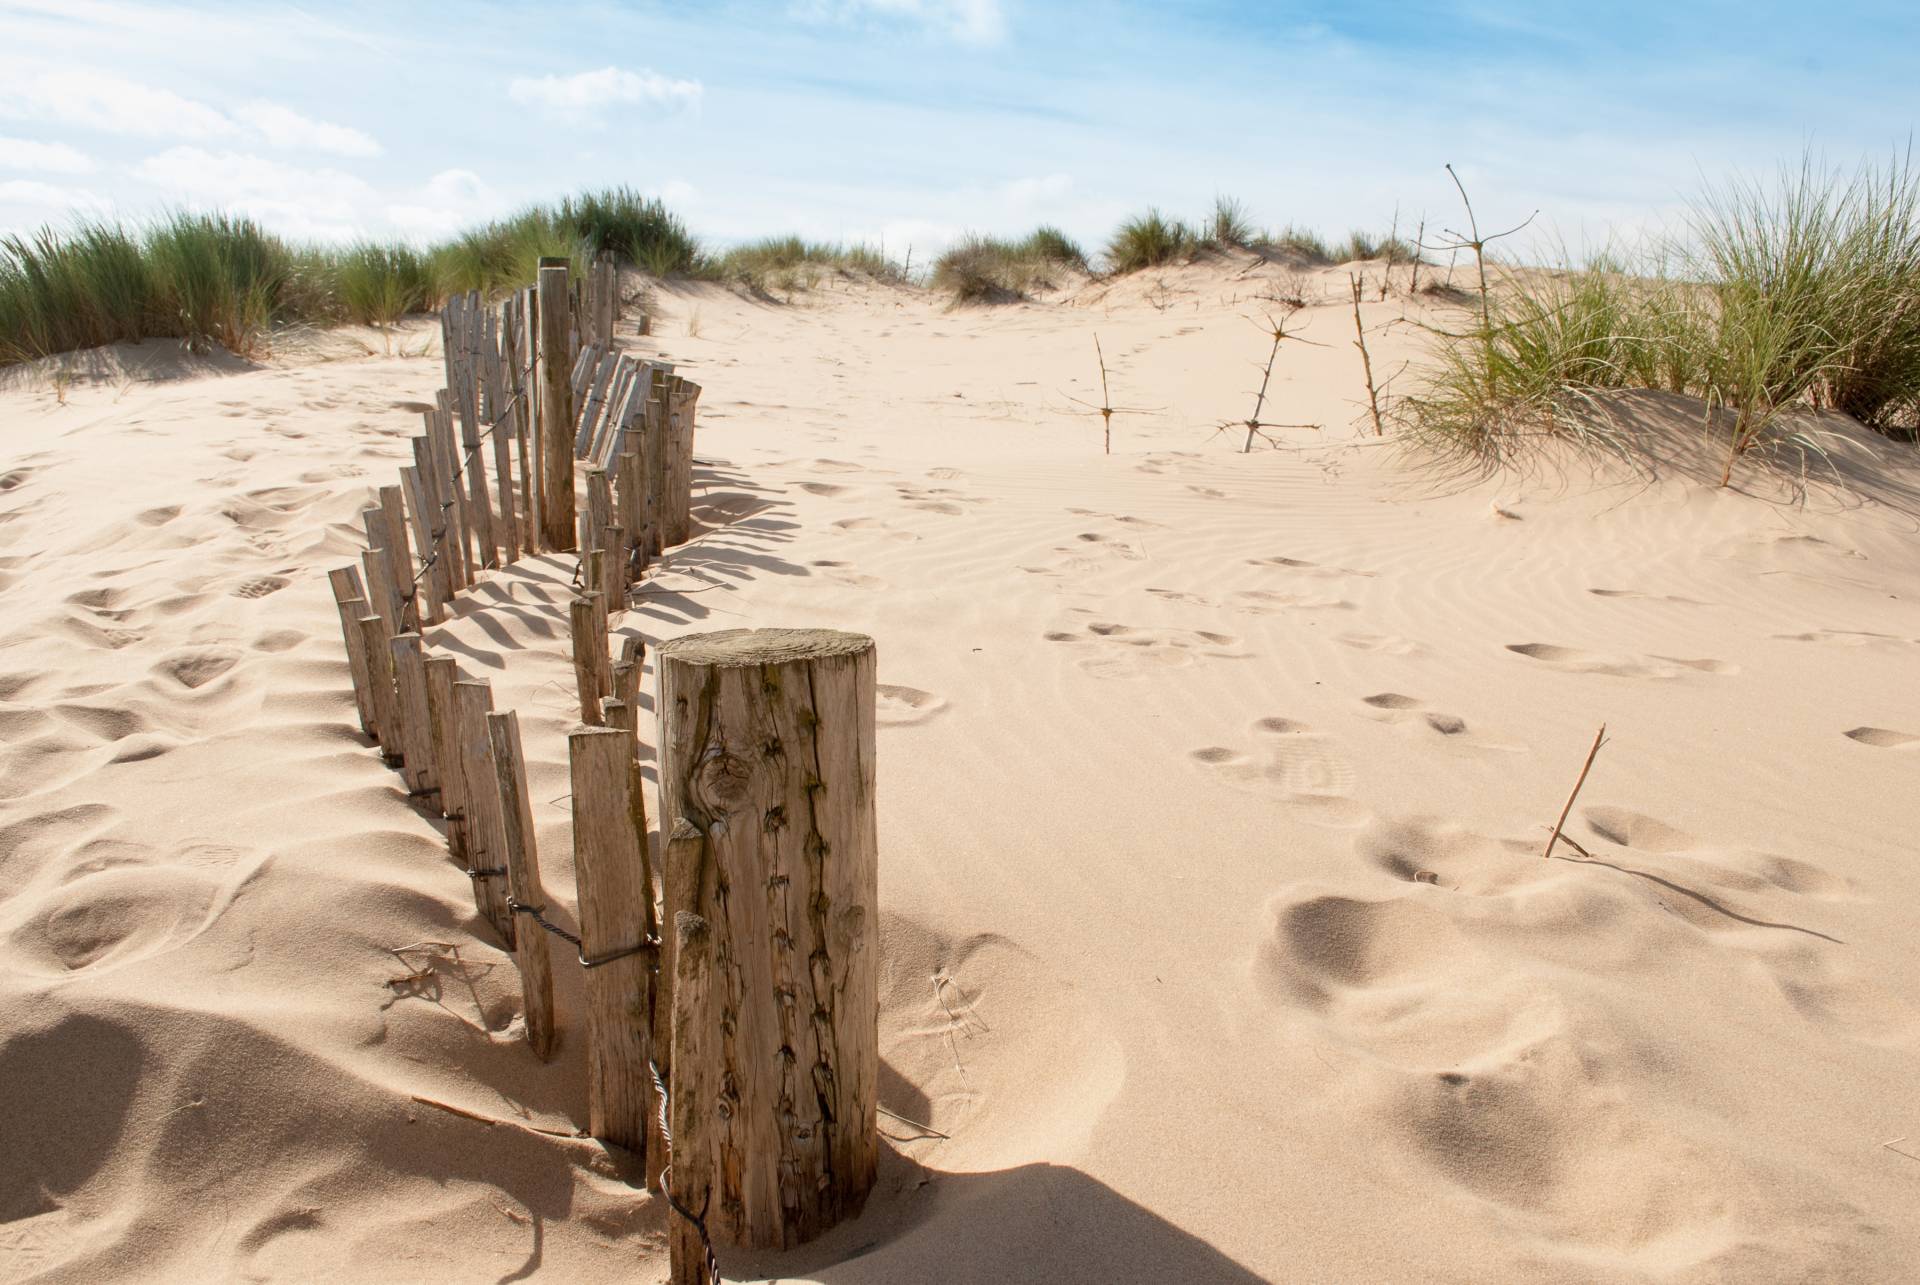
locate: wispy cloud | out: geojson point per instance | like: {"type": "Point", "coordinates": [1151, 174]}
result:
{"type": "Point", "coordinates": [85, 99]}
{"type": "Point", "coordinates": [972, 22]}
{"type": "Point", "coordinates": [326, 204]}
{"type": "Point", "coordinates": [112, 105]}
{"type": "Point", "coordinates": [587, 93]}
{"type": "Point", "coordinates": [449, 201]}
{"type": "Point", "coordinates": [32, 194]}
{"type": "Point", "coordinates": [283, 127]}
{"type": "Point", "coordinates": [46, 158]}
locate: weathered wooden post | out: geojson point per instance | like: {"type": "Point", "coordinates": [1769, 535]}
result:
{"type": "Point", "coordinates": [416, 726]}
{"type": "Point", "coordinates": [523, 879]}
{"type": "Point", "coordinates": [472, 702]}
{"type": "Point", "coordinates": [592, 672]}
{"type": "Point", "coordinates": [443, 714]}
{"type": "Point", "coordinates": [617, 938]}
{"type": "Point", "coordinates": [350, 600]}
{"type": "Point", "coordinates": [613, 567]}
{"type": "Point", "coordinates": [682, 397]}
{"type": "Point", "coordinates": [767, 752]}
{"type": "Point", "coordinates": [556, 410]}
{"type": "Point", "coordinates": [386, 702]}
{"type": "Point", "coordinates": [695, 1035]}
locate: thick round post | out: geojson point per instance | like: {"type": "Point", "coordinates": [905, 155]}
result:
{"type": "Point", "coordinates": [556, 410]}
{"type": "Point", "coordinates": [768, 754]}
{"type": "Point", "coordinates": [530, 945]}
{"type": "Point", "coordinates": [616, 937]}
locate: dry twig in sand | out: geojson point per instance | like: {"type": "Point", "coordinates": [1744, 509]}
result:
{"type": "Point", "coordinates": [1366, 361]}
{"type": "Point", "coordinates": [1255, 426]}
{"type": "Point", "coordinates": [1477, 243]}
{"type": "Point", "coordinates": [1106, 409]}
{"type": "Point", "coordinates": [1599, 739]}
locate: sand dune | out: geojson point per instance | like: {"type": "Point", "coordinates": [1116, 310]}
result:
{"type": "Point", "coordinates": [1218, 945]}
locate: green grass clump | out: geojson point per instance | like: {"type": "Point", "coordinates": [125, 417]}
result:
{"type": "Point", "coordinates": [1303, 242]}
{"type": "Point", "coordinates": [993, 270]}
{"type": "Point", "coordinates": [633, 228]}
{"type": "Point", "coordinates": [1360, 246]}
{"type": "Point", "coordinates": [377, 285]}
{"type": "Point", "coordinates": [203, 278]}
{"type": "Point", "coordinates": [1799, 295]}
{"type": "Point", "coordinates": [1149, 240]}
{"type": "Point", "coordinates": [1230, 225]}
{"type": "Point", "coordinates": [792, 263]}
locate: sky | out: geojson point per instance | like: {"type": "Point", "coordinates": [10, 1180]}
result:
{"type": "Point", "coordinates": [908, 123]}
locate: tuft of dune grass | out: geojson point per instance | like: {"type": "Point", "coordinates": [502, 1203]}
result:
{"type": "Point", "coordinates": [1799, 294]}
{"type": "Point", "coordinates": [993, 270]}
{"type": "Point", "coordinates": [790, 263]}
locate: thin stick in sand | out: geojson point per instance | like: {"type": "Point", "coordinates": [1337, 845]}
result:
{"type": "Point", "coordinates": [1599, 738]}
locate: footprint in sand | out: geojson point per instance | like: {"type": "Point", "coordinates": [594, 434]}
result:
{"type": "Point", "coordinates": [827, 489]}
{"type": "Point", "coordinates": [195, 668]}
{"type": "Point", "coordinates": [897, 706]}
{"type": "Point", "coordinates": [1849, 638]}
{"type": "Point", "coordinates": [1124, 651]}
{"type": "Point", "coordinates": [936, 499]}
{"type": "Point", "coordinates": [1647, 597]}
{"type": "Point", "coordinates": [1380, 644]}
{"type": "Point", "coordinates": [1755, 902]}
{"type": "Point", "coordinates": [873, 526]}
{"type": "Point", "coordinates": [1307, 568]}
{"type": "Point", "coordinates": [1288, 760]}
{"type": "Point", "coordinates": [842, 573]}
{"type": "Point", "coordinates": [1089, 552]}
{"type": "Point", "coordinates": [261, 586]}
{"type": "Point", "coordinates": [1267, 602]}
{"type": "Point", "coordinates": [1127, 519]}
{"type": "Point", "coordinates": [1885, 738]}
{"type": "Point", "coordinates": [1576, 661]}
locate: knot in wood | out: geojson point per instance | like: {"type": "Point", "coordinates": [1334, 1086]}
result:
{"type": "Point", "coordinates": [775, 820]}
{"type": "Point", "coordinates": [722, 780]}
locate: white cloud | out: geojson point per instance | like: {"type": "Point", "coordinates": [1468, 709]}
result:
{"type": "Point", "coordinates": [47, 158]}
{"type": "Point", "coordinates": [111, 104]}
{"type": "Point", "coordinates": [676, 192]}
{"type": "Point", "coordinates": [450, 201]}
{"type": "Point", "coordinates": [1029, 193]}
{"type": "Point", "coordinates": [322, 204]}
{"type": "Point", "coordinates": [80, 98]}
{"type": "Point", "coordinates": [586, 92]}
{"type": "Point", "coordinates": [50, 199]}
{"type": "Point", "coordinates": [284, 127]}
{"type": "Point", "coordinates": [971, 22]}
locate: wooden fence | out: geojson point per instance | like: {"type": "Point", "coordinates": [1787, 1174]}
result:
{"type": "Point", "coordinates": [731, 979]}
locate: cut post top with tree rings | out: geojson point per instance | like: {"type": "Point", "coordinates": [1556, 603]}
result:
{"type": "Point", "coordinates": [730, 648]}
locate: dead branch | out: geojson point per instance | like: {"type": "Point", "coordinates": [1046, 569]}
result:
{"type": "Point", "coordinates": [1599, 739]}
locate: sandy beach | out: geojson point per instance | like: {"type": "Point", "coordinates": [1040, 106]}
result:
{"type": "Point", "coordinates": [1217, 942]}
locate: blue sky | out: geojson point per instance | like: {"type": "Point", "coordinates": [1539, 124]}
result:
{"type": "Point", "coordinates": [911, 121]}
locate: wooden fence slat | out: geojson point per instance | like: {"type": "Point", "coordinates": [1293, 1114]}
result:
{"type": "Point", "coordinates": [522, 859]}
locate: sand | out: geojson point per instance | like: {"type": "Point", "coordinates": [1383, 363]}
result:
{"type": "Point", "coordinates": [1218, 945]}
